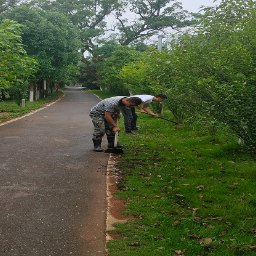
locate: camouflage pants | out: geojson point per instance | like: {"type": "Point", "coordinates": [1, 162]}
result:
{"type": "Point", "coordinates": [101, 127]}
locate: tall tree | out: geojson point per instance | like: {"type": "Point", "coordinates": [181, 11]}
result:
{"type": "Point", "coordinates": [110, 68]}
{"type": "Point", "coordinates": [15, 66]}
{"type": "Point", "coordinates": [49, 38]}
{"type": "Point", "coordinates": [91, 17]}
{"type": "Point", "coordinates": [151, 16]}
{"type": "Point", "coordinates": [7, 4]}
{"type": "Point", "coordinates": [88, 15]}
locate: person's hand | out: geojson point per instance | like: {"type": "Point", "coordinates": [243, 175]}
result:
{"type": "Point", "coordinates": [116, 129]}
{"type": "Point", "coordinates": [155, 115]}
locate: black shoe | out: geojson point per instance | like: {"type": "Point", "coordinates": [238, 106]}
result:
{"type": "Point", "coordinates": [120, 146]}
{"type": "Point", "coordinates": [132, 132]}
{"type": "Point", "coordinates": [97, 145]}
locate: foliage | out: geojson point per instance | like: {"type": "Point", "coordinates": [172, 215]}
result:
{"type": "Point", "coordinates": [15, 66]}
{"type": "Point", "coordinates": [111, 66]}
{"type": "Point", "coordinates": [91, 19]}
{"type": "Point", "coordinates": [155, 74]}
{"type": "Point", "coordinates": [7, 4]}
{"type": "Point", "coordinates": [87, 15]}
{"type": "Point", "coordinates": [226, 85]}
{"type": "Point", "coordinates": [49, 38]}
{"type": "Point", "coordinates": [151, 17]}
{"type": "Point", "coordinates": [210, 73]}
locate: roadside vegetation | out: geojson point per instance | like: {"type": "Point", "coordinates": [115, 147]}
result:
{"type": "Point", "coordinates": [9, 108]}
{"type": "Point", "coordinates": [186, 192]}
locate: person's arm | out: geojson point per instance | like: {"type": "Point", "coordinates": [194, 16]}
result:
{"type": "Point", "coordinates": [140, 109]}
{"type": "Point", "coordinates": [146, 109]}
{"type": "Point", "coordinates": [109, 119]}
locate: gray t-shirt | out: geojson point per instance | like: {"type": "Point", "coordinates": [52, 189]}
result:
{"type": "Point", "coordinates": [112, 105]}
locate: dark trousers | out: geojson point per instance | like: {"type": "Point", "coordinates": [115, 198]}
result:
{"type": "Point", "coordinates": [130, 118]}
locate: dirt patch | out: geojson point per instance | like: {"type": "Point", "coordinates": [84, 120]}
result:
{"type": "Point", "coordinates": [4, 113]}
{"type": "Point", "coordinates": [115, 205]}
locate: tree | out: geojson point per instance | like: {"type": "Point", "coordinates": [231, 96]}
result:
{"type": "Point", "coordinates": [230, 90]}
{"type": "Point", "coordinates": [15, 66]}
{"type": "Point", "coordinates": [210, 73]}
{"type": "Point", "coordinates": [88, 15]}
{"type": "Point", "coordinates": [49, 38]}
{"type": "Point", "coordinates": [152, 16]}
{"type": "Point", "coordinates": [110, 67]}
{"type": "Point", "coordinates": [7, 4]}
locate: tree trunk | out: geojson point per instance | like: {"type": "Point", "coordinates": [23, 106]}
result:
{"type": "Point", "coordinates": [31, 92]}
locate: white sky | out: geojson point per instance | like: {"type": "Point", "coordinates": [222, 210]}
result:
{"type": "Point", "coordinates": [194, 5]}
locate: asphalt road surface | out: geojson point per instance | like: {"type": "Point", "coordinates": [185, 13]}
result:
{"type": "Point", "coordinates": [52, 184]}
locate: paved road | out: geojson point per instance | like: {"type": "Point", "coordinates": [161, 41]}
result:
{"type": "Point", "coordinates": [52, 185]}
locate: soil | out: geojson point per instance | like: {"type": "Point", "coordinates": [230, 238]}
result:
{"type": "Point", "coordinates": [115, 205]}
{"type": "Point", "coordinates": [4, 113]}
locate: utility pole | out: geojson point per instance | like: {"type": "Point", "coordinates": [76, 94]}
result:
{"type": "Point", "coordinates": [160, 39]}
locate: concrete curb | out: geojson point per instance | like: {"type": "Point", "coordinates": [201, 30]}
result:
{"type": "Point", "coordinates": [114, 205]}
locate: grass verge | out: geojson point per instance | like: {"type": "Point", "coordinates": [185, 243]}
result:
{"type": "Point", "coordinates": [187, 194]}
{"type": "Point", "coordinates": [10, 109]}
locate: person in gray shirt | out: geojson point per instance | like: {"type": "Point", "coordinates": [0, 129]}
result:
{"type": "Point", "coordinates": [104, 118]}
{"type": "Point", "coordinates": [130, 116]}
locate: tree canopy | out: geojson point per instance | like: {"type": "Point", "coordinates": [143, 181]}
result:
{"type": "Point", "coordinates": [15, 65]}
{"type": "Point", "coordinates": [152, 16]}
{"type": "Point", "coordinates": [90, 18]}
{"type": "Point", "coordinates": [49, 38]}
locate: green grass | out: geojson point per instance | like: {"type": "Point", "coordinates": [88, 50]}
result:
{"type": "Point", "coordinates": [187, 194]}
{"type": "Point", "coordinates": [13, 110]}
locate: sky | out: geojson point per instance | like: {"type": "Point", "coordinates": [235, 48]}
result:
{"type": "Point", "coordinates": [194, 5]}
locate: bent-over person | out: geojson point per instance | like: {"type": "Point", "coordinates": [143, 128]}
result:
{"type": "Point", "coordinates": [104, 118]}
{"type": "Point", "coordinates": [130, 116]}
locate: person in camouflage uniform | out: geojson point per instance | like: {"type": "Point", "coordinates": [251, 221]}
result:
{"type": "Point", "coordinates": [104, 118]}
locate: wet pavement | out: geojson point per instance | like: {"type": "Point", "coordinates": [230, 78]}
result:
{"type": "Point", "coordinates": [52, 184]}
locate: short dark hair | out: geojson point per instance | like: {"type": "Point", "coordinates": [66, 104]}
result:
{"type": "Point", "coordinates": [162, 96]}
{"type": "Point", "coordinates": [135, 100]}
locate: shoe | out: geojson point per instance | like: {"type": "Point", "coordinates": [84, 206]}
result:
{"type": "Point", "coordinates": [132, 132]}
{"type": "Point", "coordinates": [97, 145]}
{"type": "Point", "coordinates": [120, 146]}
